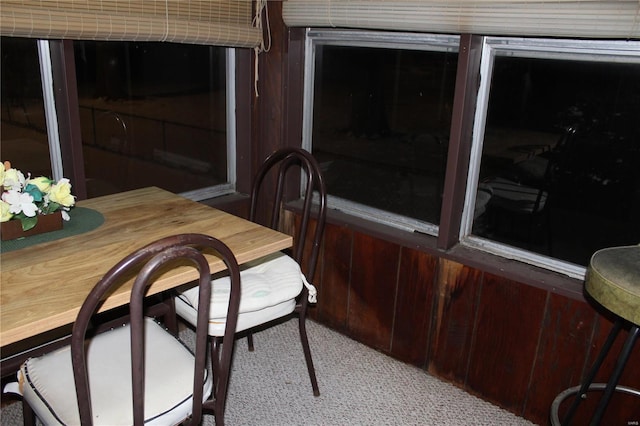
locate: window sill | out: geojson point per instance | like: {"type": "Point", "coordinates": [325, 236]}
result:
{"type": "Point", "coordinates": [511, 269]}
{"type": "Point", "coordinates": [491, 263]}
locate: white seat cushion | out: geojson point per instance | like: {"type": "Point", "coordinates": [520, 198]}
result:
{"type": "Point", "coordinates": [47, 382]}
{"type": "Point", "coordinates": [269, 287]}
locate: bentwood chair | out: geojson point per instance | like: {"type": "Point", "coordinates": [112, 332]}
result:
{"type": "Point", "coordinates": [539, 170]}
{"type": "Point", "coordinates": [138, 373]}
{"type": "Point", "coordinates": [275, 287]}
{"type": "Point", "coordinates": [525, 189]}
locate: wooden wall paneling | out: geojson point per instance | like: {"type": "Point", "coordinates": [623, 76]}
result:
{"type": "Point", "coordinates": [316, 279]}
{"type": "Point", "coordinates": [333, 289]}
{"type": "Point", "coordinates": [505, 341]}
{"type": "Point", "coordinates": [413, 307]}
{"type": "Point", "coordinates": [623, 409]}
{"type": "Point", "coordinates": [454, 311]}
{"type": "Point", "coordinates": [294, 86]}
{"type": "Point", "coordinates": [631, 374]}
{"type": "Point", "coordinates": [372, 294]}
{"type": "Point", "coordinates": [236, 204]}
{"type": "Point", "coordinates": [269, 102]}
{"type": "Point", "coordinates": [308, 247]}
{"type": "Point", "coordinates": [566, 333]}
{"type": "Point", "coordinates": [244, 125]}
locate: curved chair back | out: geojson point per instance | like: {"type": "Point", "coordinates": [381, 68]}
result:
{"type": "Point", "coordinates": [278, 165]}
{"type": "Point", "coordinates": [144, 263]}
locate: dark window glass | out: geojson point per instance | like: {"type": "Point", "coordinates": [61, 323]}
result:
{"type": "Point", "coordinates": [152, 114]}
{"type": "Point", "coordinates": [560, 171]}
{"type": "Point", "coordinates": [380, 126]}
{"type": "Point", "coordinates": [23, 127]}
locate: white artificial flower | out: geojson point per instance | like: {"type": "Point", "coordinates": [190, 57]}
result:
{"type": "Point", "coordinates": [20, 202]}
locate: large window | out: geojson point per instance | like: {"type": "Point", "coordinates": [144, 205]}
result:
{"type": "Point", "coordinates": [379, 122]}
{"type": "Point", "coordinates": [556, 170]}
{"type": "Point", "coordinates": [150, 114]}
{"type": "Point", "coordinates": [23, 128]}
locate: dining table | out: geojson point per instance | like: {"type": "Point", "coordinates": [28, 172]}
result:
{"type": "Point", "coordinates": [43, 285]}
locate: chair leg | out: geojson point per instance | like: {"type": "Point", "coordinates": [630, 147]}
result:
{"type": "Point", "coordinates": [170, 319]}
{"type": "Point", "coordinates": [219, 417]}
{"type": "Point", "coordinates": [307, 354]}
{"type": "Point", "coordinates": [615, 376]}
{"type": "Point", "coordinates": [250, 342]}
{"type": "Point", "coordinates": [28, 416]}
{"type": "Point", "coordinates": [217, 400]}
{"type": "Point", "coordinates": [215, 361]}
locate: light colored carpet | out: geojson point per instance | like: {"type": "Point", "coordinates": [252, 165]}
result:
{"type": "Point", "coordinates": [358, 386]}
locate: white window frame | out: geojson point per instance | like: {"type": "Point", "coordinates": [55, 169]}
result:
{"type": "Point", "coordinates": [581, 50]}
{"type": "Point", "coordinates": [377, 39]}
{"type": "Point", "coordinates": [51, 116]}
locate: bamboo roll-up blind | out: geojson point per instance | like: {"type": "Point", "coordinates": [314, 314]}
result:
{"type": "Point", "coordinates": [550, 18]}
{"type": "Point", "coordinates": [215, 22]}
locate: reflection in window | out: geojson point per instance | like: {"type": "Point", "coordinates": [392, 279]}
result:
{"type": "Point", "coordinates": [560, 168]}
{"type": "Point", "coordinates": [152, 114]}
{"type": "Point", "coordinates": [381, 119]}
{"type": "Point", "coordinates": [23, 127]}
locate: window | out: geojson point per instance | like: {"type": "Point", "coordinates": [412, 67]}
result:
{"type": "Point", "coordinates": [377, 118]}
{"type": "Point", "coordinates": [555, 172]}
{"type": "Point", "coordinates": [150, 110]}
{"type": "Point", "coordinates": [23, 128]}
{"type": "Point", "coordinates": [150, 114]}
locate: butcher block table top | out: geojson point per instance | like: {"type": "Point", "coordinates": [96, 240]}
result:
{"type": "Point", "coordinates": [44, 285]}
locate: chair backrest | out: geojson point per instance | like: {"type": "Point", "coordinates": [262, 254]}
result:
{"type": "Point", "coordinates": [557, 159]}
{"type": "Point", "coordinates": [561, 152]}
{"type": "Point", "coordinates": [143, 263]}
{"type": "Point", "coordinates": [278, 165]}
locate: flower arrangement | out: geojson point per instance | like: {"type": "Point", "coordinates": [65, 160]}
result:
{"type": "Point", "coordinates": [25, 199]}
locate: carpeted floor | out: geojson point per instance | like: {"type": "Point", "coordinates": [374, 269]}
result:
{"type": "Point", "coordinates": [358, 386]}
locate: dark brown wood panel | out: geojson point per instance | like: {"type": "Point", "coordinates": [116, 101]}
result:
{"type": "Point", "coordinates": [308, 244]}
{"type": "Point", "coordinates": [454, 320]}
{"type": "Point", "coordinates": [235, 204]}
{"type": "Point", "coordinates": [567, 330]}
{"type": "Point", "coordinates": [333, 289]}
{"type": "Point", "coordinates": [244, 123]}
{"type": "Point", "coordinates": [413, 308]}
{"type": "Point", "coordinates": [622, 409]}
{"type": "Point", "coordinates": [268, 115]}
{"type": "Point", "coordinates": [603, 328]}
{"type": "Point", "coordinates": [294, 92]}
{"type": "Point", "coordinates": [372, 295]}
{"type": "Point", "coordinates": [505, 341]}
